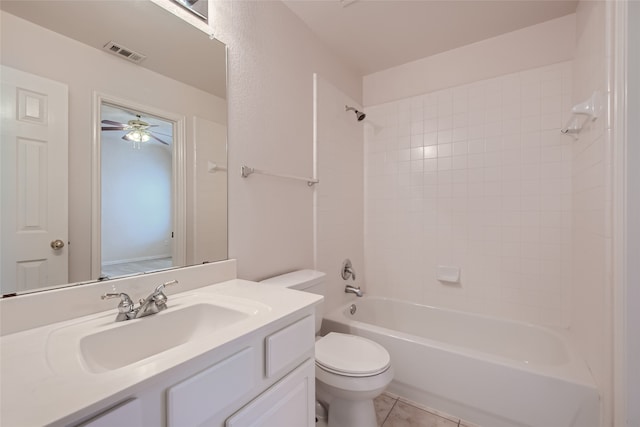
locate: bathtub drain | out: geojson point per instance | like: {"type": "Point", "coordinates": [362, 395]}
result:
{"type": "Point", "coordinates": [352, 309]}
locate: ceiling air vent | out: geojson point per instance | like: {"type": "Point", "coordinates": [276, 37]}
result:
{"type": "Point", "coordinates": [124, 52]}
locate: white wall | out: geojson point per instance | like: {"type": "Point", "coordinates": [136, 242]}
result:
{"type": "Point", "coordinates": [272, 58]}
{"type": "Point", "coordinates": [210, 214]}
{"type": "Point", "coordinates": [591, 321]}
{"type": "Point", "coordinates": [136, 200]}
{"type": "Point", "coordinates": [339, 203]}
{"type": "Point", "coordinates": [543, 44]}
{"type": "Point", "coordinates": [85, 70]}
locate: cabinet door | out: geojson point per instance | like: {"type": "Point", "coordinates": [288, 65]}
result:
{"type": "Point", "coordinates": [290, 402]}
{"type": "Point", "coordinates": [199, 398]}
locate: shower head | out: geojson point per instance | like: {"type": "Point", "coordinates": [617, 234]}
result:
{"type": "Point", "coordinates": [359, 114]}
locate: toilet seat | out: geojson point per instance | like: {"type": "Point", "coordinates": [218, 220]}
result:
{"type": "Point", "coordinates": [351, 355]}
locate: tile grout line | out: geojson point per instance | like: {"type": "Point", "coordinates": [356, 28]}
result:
{"type": "Point", "coordinates": [430, 411]}
{"type": "Point", "coordinates": [427, 411]}
{"type": "Point", "coordinates": [395, 402]}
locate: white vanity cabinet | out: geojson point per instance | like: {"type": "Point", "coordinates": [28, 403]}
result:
{"type": "Point", "coordinates": [264, 379]}
{"type": "Point", "coordinates": [230, 354]}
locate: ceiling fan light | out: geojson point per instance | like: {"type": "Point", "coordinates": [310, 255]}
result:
{"type": "Point", "coordinates": [138, 135]}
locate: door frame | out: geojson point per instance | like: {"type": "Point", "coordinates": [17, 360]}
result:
{"type": "Point", "coordinates": [626, 206]}
{"type": "Point", "coordinates": [178, 178]}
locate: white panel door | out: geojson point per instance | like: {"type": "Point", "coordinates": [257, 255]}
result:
{"type": "Point", "coordinates": [33, 170]}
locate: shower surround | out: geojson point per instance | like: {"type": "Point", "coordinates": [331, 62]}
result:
{"type": "Point", "coordinates": [476, 176]}
{"type": "Point", "coordinates": [527, 218]}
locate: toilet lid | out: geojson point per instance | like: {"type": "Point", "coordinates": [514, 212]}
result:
{"type": "Point", "coordinates": [351, 355]}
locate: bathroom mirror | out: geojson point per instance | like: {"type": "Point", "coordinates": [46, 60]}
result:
{"type": "Point", "coordinates": [65, 65]}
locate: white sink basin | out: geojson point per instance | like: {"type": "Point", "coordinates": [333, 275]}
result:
{"type": "Point", "coordinates": [100, 344]}
{"type": "Point", "coordinates": [142, 338]}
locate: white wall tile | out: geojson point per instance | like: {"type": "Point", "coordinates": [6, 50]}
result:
{"type": "Point", "coordinates": [486, 191]}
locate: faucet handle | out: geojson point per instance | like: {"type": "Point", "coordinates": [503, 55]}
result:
{"type": "Point", "coordinates": [126, 304]}
{"type": "Point", "coordinates": [347, 272]}
{"type": "Point", "coordinates": [110, 295]}
{"type": "Point", "coordinates": [158, 296]}
{"type": "Point", "coordinates": [161, 287]}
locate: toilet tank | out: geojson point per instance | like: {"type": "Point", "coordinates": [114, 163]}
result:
{"type": "Point", "coordinates": [303, 280]}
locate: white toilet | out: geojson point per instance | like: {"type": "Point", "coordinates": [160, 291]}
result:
{"type": "Point", "coordinates": [350, 370]}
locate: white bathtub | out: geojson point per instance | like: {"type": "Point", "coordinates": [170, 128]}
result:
{"type": "Point", "coordinates": [492, 372]}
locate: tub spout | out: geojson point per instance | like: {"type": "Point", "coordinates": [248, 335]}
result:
{"type": "Point", "coordinates": [348, 289]}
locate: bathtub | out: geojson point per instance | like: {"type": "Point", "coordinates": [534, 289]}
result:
{"type": "Point", "coordinates": [491, 372]}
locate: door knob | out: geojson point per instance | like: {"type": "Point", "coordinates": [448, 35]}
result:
{"type": "Point", "coordinates": [57, 244]}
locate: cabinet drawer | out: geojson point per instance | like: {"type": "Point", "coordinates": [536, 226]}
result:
{"type": "Point", "coordinates": [202, 396]}
{"type": "Point", "coordinates": [289, 345]}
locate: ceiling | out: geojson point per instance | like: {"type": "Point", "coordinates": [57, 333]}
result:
{"type": "Point", "coordinates": [373, 35]}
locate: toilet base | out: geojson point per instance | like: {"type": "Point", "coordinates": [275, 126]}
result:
{"type": "Point", "coordinates": [352, 413]}
{"type": "Point", "coordinates": [349, 400]}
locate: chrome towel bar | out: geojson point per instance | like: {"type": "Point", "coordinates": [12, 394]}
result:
{"type": "Point", "coordinates": [246, 171]}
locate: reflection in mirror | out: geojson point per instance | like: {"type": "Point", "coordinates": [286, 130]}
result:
{"type": "Point", "coordinates": [57, 82]}
{"type": "Point", "coordinates": [136, 154]}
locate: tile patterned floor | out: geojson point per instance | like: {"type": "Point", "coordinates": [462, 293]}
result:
{"type": "Point", "coordinates": [393, 411]}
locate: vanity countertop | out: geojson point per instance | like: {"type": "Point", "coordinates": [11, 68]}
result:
{"type": "Point", "coordinates": [37, 390]}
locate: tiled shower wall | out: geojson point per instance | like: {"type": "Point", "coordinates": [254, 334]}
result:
{"type": "Point", "coordinates": [478, 177]}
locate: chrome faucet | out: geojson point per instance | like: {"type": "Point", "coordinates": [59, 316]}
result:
{"type": "Point", "coordinates": [126, 310]}
{"type": "Point", "coordinates": [348, 289]}
{"type": "Point", "coordinates": [347, 271]}
{"type": "Point", "coordinates": [155, 302]}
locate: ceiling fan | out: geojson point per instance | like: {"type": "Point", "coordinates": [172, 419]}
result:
{"type": "Point", "coordinates": [137, 130]}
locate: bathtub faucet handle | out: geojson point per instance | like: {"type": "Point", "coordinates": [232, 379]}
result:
{"type": "Point", "coordinates": [347, 270]}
